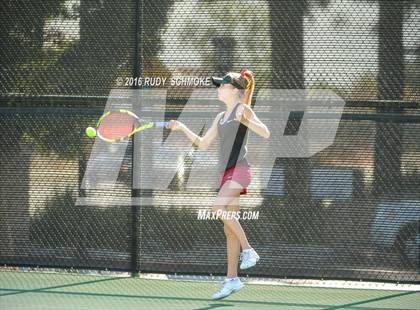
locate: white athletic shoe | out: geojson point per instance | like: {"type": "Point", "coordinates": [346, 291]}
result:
{"type": "Point", "coordinates": [228, 286]}
{"type": "Point", "coordinates": [249, 258]}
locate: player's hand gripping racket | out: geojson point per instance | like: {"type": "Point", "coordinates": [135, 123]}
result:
{"type": "Point", "coordinates": [119, 125]}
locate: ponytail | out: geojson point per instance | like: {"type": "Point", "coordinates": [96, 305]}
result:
{"type": "Point", "coordinates": [248, 75]}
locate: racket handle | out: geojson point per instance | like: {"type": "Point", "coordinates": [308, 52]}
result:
{"type": "Point", "coordinates": [160, 124]}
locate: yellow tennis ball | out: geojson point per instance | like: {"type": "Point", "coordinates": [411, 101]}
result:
{"type": "Point", "coordinates": [90, 132]}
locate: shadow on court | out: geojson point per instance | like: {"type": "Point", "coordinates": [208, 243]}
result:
{"type": "Point", "coordinates": [19, 289]}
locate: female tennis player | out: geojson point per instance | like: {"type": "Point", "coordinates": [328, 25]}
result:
{"type": "Point", "coordinates": [231, 126]}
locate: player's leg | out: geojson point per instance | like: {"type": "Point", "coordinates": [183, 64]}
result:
{"type": "Point", "coordinates": [228, 200]}
{"type": "Point", "coordinates": [233, 247]}
{"type": "Point", "coordinates": [232, 283]}
{"type": "Point", "coordinates": [229, 192]}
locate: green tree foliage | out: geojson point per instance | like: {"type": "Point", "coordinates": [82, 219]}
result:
{"type": "Point", "coordinates": [62, 224]}
{"type": "Point", "coordinates": [21, 33]}
{"type": "Point", "coordinates": [22, 24]}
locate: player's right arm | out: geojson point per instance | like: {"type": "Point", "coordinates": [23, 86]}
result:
{"type": "Point", "coordinates": [201, 142]}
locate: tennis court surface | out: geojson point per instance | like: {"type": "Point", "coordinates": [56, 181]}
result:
{"type": "Point", "coordinates": [68, 291]}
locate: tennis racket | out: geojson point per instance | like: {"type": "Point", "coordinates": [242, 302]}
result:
{"type": "Point", "coordinates": [119, 125]}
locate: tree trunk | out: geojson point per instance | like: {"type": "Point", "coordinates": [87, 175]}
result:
{"type": "Point", "coordinates": [391, 86]}
{"type": "Point", "coordinates": [15, 158]}
{"type": "Point", "coordinates": [288, 73]}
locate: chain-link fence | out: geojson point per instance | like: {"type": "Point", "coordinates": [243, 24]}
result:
{"type": "Point", "coordinates": [341, 228]}
{"type": "Point", "coordinates": [81, 47]}
{"type": "Point", "coordinates": [350, 211]}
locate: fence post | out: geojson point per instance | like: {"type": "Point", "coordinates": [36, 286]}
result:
{"type": "Point", "coordinates": [135, 193]}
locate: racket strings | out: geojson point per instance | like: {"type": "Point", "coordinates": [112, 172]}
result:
{"type": "Point", "coordinates": [117, 125]}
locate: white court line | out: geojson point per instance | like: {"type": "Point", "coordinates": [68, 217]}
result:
{"type": "Point", "coordinates": [292, 282]}
{"type": "Point", "coordinates": [341, 284]}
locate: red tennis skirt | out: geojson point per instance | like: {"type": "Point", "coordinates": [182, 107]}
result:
{"type": "Point", "coordinates": [240, 174]}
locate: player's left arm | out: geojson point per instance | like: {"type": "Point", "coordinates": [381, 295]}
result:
{"type": "Point", "coordinates": [247, 116]}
